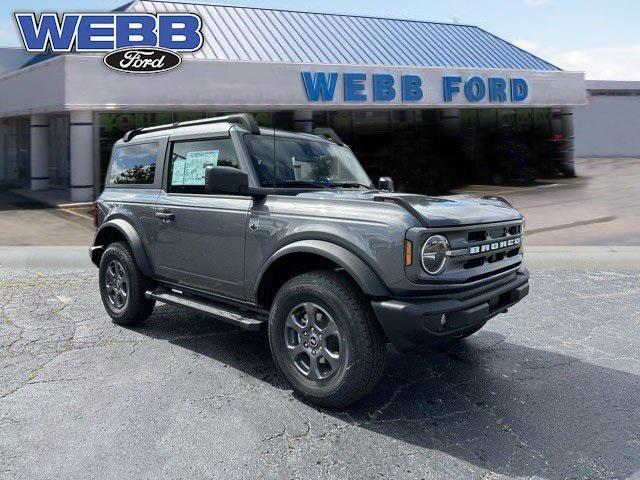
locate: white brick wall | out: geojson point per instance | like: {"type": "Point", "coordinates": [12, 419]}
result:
{"type": "Point", "coordinates": [609, 126]}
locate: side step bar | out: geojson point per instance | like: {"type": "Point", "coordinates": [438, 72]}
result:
{"type": "Point", "coordinates": [212, 309]}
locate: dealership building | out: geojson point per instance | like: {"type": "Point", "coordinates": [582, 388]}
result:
{"type": "Point", "coordinates": [608, 125]}
{"type": "Point", "coordinates": [423, 102]}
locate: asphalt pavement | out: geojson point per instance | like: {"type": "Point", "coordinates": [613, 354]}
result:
{"type": "Point", "coordinates": [549, 390]}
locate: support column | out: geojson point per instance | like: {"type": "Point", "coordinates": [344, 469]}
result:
{"type": "Point", "coordinates": [81, 156]}
{"type": "Point", "coordinates": [303, 120]}
{"type": "Point", "coordinates": [39, 152]}
{"type": "Point", "coordinates": [569, 145]}
{"type": "Point", "coordinates": [567, 126]}
{"type": "Point", "coordinates": [562, 124]}
{"type": "Point", "coordinates": [556, 121]}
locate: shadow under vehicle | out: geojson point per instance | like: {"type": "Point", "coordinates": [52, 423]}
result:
{"type": "Point", "coordinates": [500, 406]}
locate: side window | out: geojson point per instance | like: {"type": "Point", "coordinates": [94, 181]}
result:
{"type": "Point", "coordinates": [190, 158]}
{"type": "Point", "coordinates": [134, 164]}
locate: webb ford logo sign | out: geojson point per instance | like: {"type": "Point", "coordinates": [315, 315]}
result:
{"type": "Point", "coordinates": [136, 43]}
{"type": "Point", "coordinates": [142, 60]}
{"type": "Point", "coordinates": [384, 87]}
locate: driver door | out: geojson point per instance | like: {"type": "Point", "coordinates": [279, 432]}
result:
{"type": "Point", "coordinates": [200, 237]}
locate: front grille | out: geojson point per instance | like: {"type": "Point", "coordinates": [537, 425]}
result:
{"type": "Point", "coordinates": [496, 257]}
{"type": "Point", "coordinates": [476, 252]}
{"type": "Point", "coordinates": [482, 251]}
{"type": "Point", "coordinates": [477, 236]}
{"type": "Point", "coordinates": [473, 263]}
{"type": "Point", "coordinates": [493, 233]}
{"type": "Point", "coordinates": [515, 230]}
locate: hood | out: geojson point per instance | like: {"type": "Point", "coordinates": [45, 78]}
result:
{"type": "Point", "coordinates": [450, 211]}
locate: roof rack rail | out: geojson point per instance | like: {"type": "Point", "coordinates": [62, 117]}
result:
{"type": "Point", "coordinates": [245, 120]}
{"type": "Point", "coordinates": [328, 134]}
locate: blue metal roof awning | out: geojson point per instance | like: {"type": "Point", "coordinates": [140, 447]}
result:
{"type": "Point", "coordinates": [269, 35]}
{"type": "Point", "coordinates": [12, 58]}
{"type": "Point", "coordinates": [269, 59]}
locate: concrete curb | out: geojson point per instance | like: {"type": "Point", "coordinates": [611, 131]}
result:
{"type": "Point", "coordinates": [582, 258]}
{"type": "Point", "coordinates": [50, 199]}
{"type": "Point", "coordinates": [536, 258]}
{"type": "Point", "coordinates": [44, 257]}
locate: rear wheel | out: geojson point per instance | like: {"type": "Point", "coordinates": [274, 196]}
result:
{"type": "Point", "coordinates": [325, 340]}
{"type": "Point", "coordinates": [123, 286]}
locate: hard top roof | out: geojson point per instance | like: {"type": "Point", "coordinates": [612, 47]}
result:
{"type": "Point", "coordinates": [213, 125]}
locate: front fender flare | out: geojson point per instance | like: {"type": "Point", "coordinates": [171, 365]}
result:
{"type": "Point", "coordinates": [363, 274]}
{"type": "Point", "coordinates": [132, 237]}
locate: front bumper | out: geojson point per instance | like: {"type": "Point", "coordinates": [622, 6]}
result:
{"type": "Point", "coordinates": [416, 322]}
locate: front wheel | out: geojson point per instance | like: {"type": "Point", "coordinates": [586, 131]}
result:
{"type": "Point", "coordinates": [123, 286]}
{"type": "Point", "coordinates": [325, 340]}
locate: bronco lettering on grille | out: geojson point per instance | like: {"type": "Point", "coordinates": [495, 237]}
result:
{"type": "Point", "coordinates": [489, 247]}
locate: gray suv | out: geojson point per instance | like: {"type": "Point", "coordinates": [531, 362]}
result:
{"type": "Point", "coordinates": [260, 227]}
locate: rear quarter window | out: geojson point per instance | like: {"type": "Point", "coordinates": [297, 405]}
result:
{"type": "Point", "coordinates": [134, 164]}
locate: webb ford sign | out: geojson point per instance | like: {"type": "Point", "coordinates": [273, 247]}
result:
{"type": "Point", "coordinates": [82, 81]}
{"type": "Point", "coordinates": [146, 43]}
{"type": "Point", "coordinates": [385, 87]}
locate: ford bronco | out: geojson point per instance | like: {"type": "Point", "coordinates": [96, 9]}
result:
{"type": "Point", "coordinates": [260, 227]}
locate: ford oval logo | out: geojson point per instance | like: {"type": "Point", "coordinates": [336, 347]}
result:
{"type": "Point", "coordinates": [142, 60]}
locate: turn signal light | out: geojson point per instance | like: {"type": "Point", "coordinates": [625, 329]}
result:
{"type": "Point", "coordinates": [408, 253]}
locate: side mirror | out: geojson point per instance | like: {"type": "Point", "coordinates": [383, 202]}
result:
{"type": "Point", "coordinates": [225, 180]}
{"type": "Point", "coordinates": [386, 183]}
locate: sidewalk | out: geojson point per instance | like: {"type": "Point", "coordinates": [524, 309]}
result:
{"type": "Point", "coordinates": [28, 220]}
{"type": "Point", "coordinates": [599, 207]}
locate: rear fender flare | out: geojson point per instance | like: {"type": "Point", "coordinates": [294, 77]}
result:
{"type": "Point", "coordinates": [132, 237]}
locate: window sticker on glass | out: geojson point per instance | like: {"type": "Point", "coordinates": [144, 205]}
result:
{"type": "Point", "coordinates": [177, 174]}
{"type": "Point", "coordinates": [190, 170]}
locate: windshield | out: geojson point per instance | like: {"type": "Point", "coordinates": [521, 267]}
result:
{"type": "Point", "coordinates": [303, 163]}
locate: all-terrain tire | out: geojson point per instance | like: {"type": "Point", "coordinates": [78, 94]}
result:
{"type": "Point", "coordinates": [136, 308]}
{"type": "Point", "coordinates": [362, 344]}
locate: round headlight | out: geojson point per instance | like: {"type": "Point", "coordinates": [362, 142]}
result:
{"type": "Point", "coordinates": [434, 254]}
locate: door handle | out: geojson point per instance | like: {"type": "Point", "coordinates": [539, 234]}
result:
{"type": "Point", "coordinates": [165, 216]}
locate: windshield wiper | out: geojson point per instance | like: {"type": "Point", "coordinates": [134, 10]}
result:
{"type": "Point", "coordinates": [350, 185]}
{"type": "Point", "coordinates": [300, 183]}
